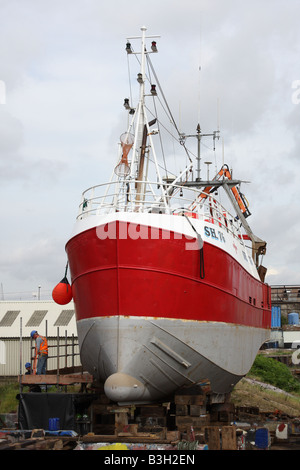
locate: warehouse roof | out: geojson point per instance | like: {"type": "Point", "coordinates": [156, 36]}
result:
{"type": "Point", "coordinates": [19, 318]}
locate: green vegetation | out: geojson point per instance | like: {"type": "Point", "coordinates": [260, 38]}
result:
{"type": "Point", "coordinates": [252, 394]}
{"type": "Point", "coordinates": [275, 373]}
{"type": "Point", "coordinates": [8, 401]}
{"type": "Point", "coordinates": [8, 392]}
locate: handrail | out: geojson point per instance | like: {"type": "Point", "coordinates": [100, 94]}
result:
{"type": "Point", "coordinates": [121, 196]}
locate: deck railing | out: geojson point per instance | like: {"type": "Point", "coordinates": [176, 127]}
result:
{"type": "Point", "coordinates": [152, 197]}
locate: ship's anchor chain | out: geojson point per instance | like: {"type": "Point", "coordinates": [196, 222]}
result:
{"type": "Point", "coordinates": [201, 251]}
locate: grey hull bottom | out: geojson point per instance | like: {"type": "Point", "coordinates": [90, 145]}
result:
{"type": "Point", "coordinates": [141, 360]}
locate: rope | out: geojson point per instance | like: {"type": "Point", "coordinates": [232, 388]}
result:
{"type": "Point", "coordinates": [201, 252]}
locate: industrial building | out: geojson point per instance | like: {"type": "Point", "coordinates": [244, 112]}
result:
{"type": "Point", "coordinates": [286, 297]}
{"type": "Point", "coordinates": [19, 318]}
{"type": "Point", "coordinates": [285, 315]}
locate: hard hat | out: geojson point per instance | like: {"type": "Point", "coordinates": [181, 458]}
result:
{"type": "Point", "coordinates": [27, 365]}
{"type": "Point", "coordinates": [33, 333]}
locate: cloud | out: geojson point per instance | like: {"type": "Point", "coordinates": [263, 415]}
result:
{"type": "Point", "coordinates": [65, 70]}
{"type": "Point", "coordinates": [11, 132]}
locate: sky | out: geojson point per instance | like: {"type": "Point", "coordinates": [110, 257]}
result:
{"type": "Point", "coordinates": [63, 80]}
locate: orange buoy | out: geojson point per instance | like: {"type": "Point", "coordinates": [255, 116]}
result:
{"type": "Point", "coordinates": [62, 292]}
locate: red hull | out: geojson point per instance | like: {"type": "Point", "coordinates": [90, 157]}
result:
{"type": "Point", "coordinates": [160, 278]}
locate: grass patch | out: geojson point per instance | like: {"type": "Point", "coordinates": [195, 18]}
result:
{"type": "Point", "coordinates": [269, 371]}
{"type": "Point", "coordinates": [275, 373]}
{"type": "Point", "coordinates": [249, 394]}
{"type": "Point", "coordinates": [9, 391]}
{"type": "Point", "coordinates": [8, 401]}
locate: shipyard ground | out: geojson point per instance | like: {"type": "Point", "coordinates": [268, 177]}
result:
{"type": "Point", "coordinates": [194, 419]}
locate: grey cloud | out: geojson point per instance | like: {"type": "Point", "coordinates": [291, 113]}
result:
{"type": "Point", "coordinates": [65, 69]}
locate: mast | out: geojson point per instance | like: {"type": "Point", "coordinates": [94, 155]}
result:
{"type": "Point", "coordinates": [142, 129]}
{"type": "Point", "coordinates": [141, 147]}
{"type": "Point", "coordinates": [199, 135]}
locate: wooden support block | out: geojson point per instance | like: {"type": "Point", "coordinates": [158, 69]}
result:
{"type": "Point", "coordinates": [172, 436]}
{"type": "Point", "coordinates": [118, 409]}
{"type": "Point", "coordinates": [198, 389]}
{"type": "Point", "coordinates": [189, 399]}
{"type": "Point", "coordinates": [185, 422]}
{"type": "Point", "coordinates": [229, 438]}
{"type": "Point", "coordinates": [197, 410]}
{"type": "Point", "coordinates": [222, 412]}
{"type": "Point", "coordinates": [197, 400]}
{"type": "Point", "coordinates": [152, 411]}
{"type": "Point", "coordinates": [133, 429]}
{"type": "Point", "coordinates": [128, 430]}
{"type": "Point", "coordinates": [121, 422]}
{"type": "Point", "coordinates": [181, 399]}
{"type": "Point", "coordinates": [214, 442]}
{"type": "Point", "coordinates": [182, 410]}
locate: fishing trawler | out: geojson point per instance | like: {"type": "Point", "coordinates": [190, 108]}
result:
{"type": "Point", "coordinates": [166, 280]}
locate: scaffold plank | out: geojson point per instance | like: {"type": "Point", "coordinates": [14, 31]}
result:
{"type": "Point", "coordinates": [55, 379]}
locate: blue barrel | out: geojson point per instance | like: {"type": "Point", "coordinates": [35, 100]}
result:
{"type": "Point", "coordinates": [293, 318]}
{"type": "Point", "coordinates": [262, 438]}
{"type": "Point", "coordinates": [53, 424]}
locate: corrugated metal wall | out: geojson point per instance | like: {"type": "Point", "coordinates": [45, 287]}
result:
{"type": "Point", "coordinates": [13, 352]}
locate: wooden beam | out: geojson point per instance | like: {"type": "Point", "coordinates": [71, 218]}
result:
{"type": "Point", "coordinates": [229, 438]}
{"type": "Point", "coordinates": [54, 379]}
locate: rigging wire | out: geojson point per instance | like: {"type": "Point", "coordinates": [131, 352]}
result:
{"type": "Point", "coordinates": [178, 140]}
{"type": "Point", "coordinates": [168, 108]}
{"type": "Point", "coordinates": [169, 132]}
{"type": "Point", "coordinates": [158, 122]}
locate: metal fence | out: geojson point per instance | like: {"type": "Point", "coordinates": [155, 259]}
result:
{"type": "Point", "coordinates": [15, 352]}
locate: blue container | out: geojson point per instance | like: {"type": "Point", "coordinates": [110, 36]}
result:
{"type": "Point", "coordinates": [53, 424]}
{"type": "Point", "coordinates": [276, 317]}
{"type": "Point", "coordinates": [262, 440]}
{"type": "Point", "coordinates": [293, 318]}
